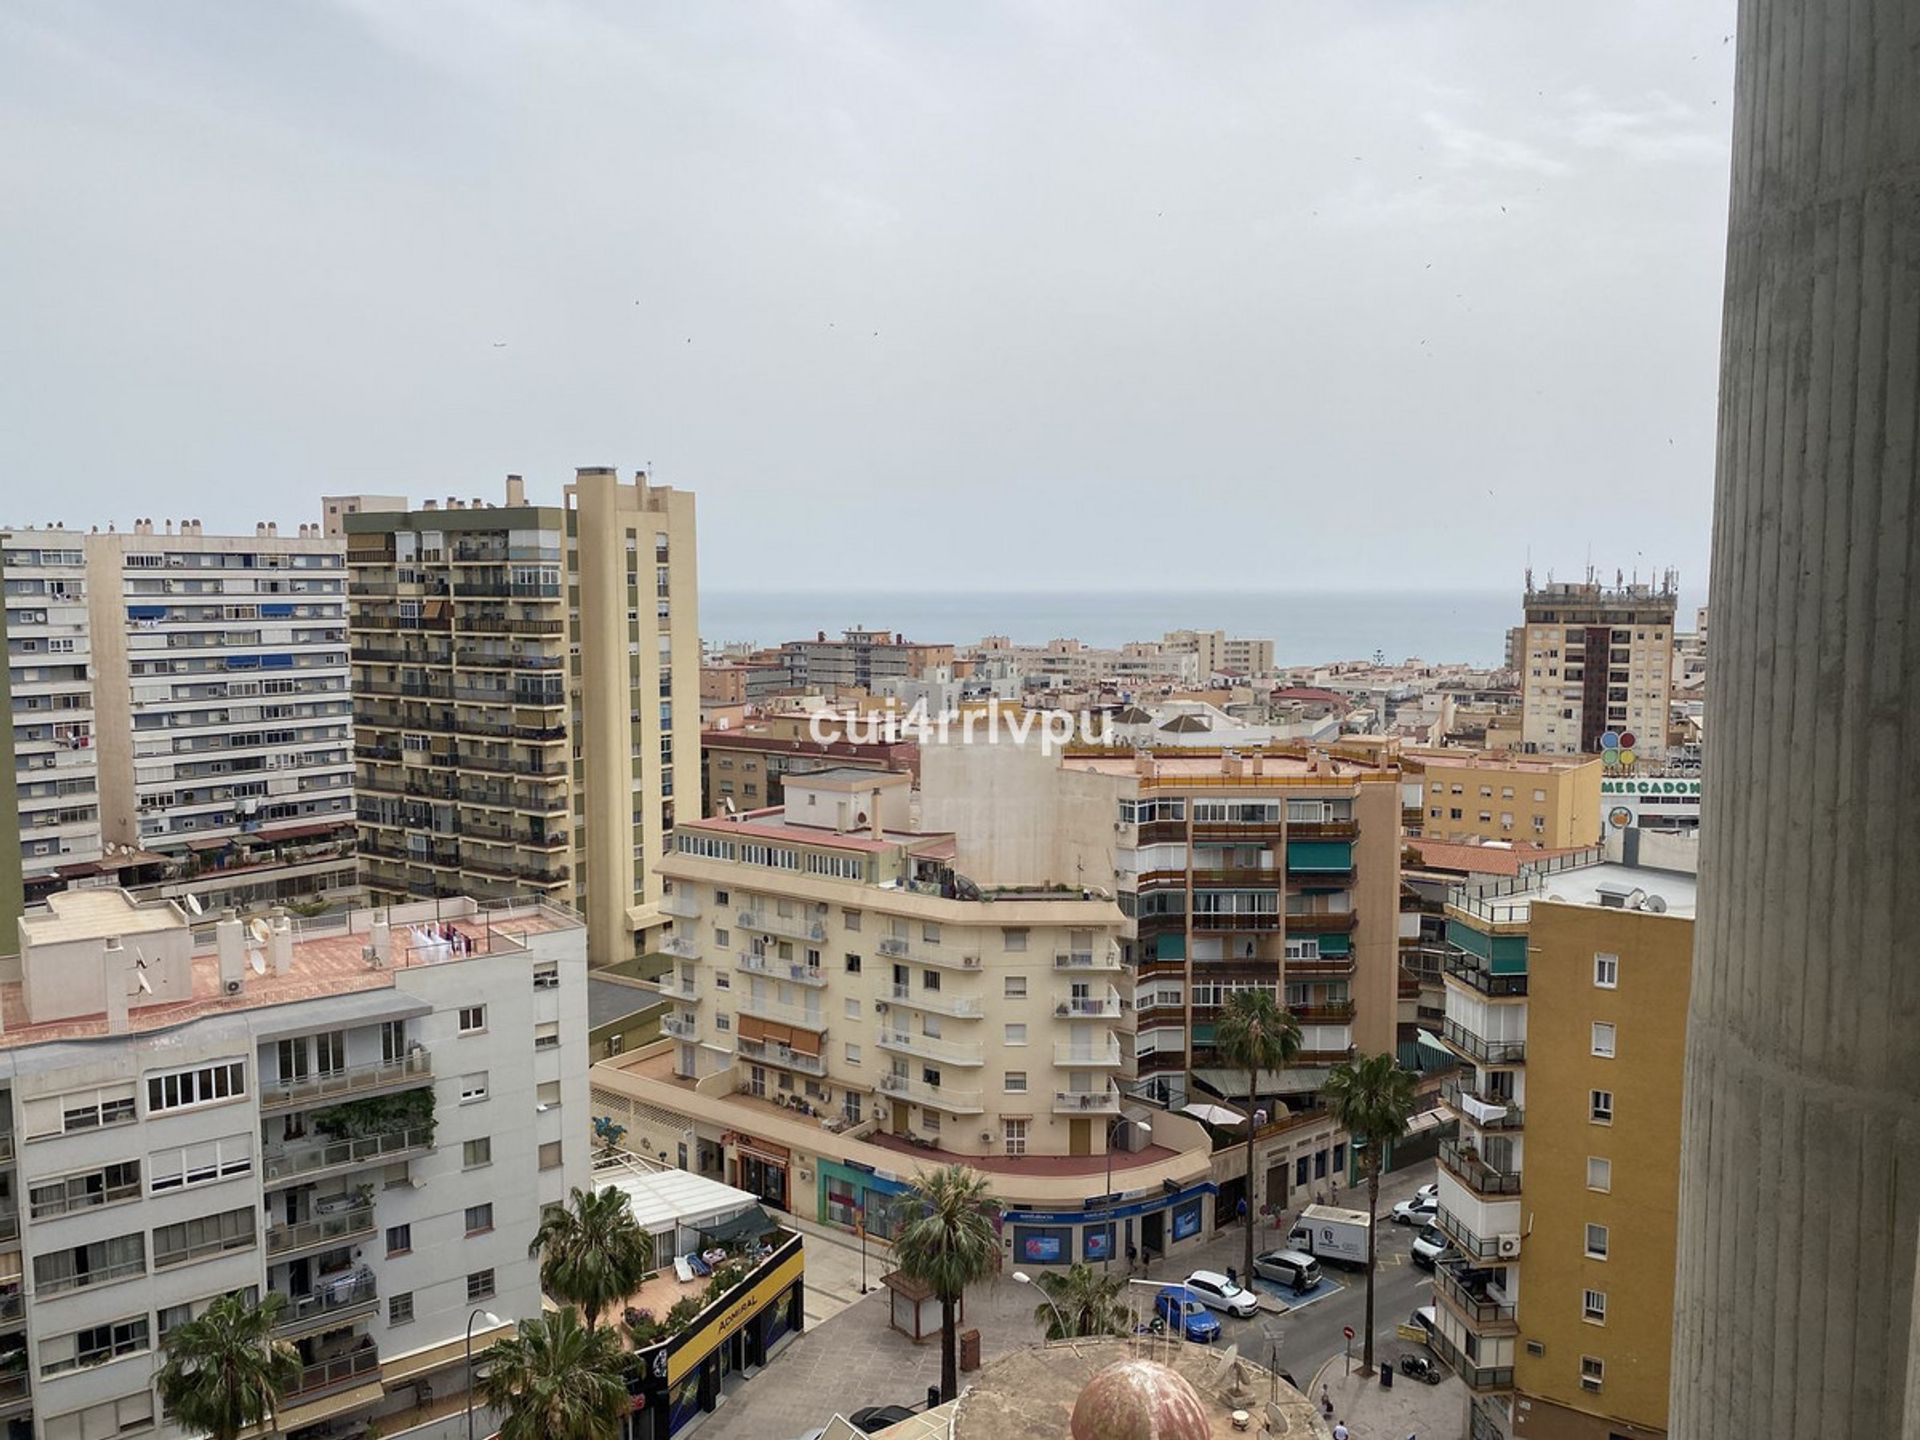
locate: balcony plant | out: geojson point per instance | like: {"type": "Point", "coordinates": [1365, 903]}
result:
{"type": "Point", "coordinates": [378, 1115]}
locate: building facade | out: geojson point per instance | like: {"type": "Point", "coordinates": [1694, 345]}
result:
{"type": "Point", "coordinates": [361, 1120]}
{"type": "Point", "coordinates": [1567, 990]}
{"type": "Point", "coordinates": [525, 690]}
{"type": "Point", "coordinates": [334, 510]}
{"type": "Point", "coordinates": [1550, 802]}
{"type": "Point", "coordinates": [859, 660]}
{"type": "Point", "coordinates": [1597, 664]}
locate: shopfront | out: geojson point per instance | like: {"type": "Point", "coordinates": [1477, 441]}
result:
{"type": "Point", "coordinates": [853, 1195]}
{"type": "Point", "coordinates": [1136, 1229]}
{"type": "Point", "coordinates": [760, 1166]}
{"type": "Point", "coordinates": [724, 1348]}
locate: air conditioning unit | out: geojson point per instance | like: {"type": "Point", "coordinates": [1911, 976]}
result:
{"type": "Point", "coordinates": [1509, 1246]}
{"type": "Point", "coordinates": [879, 1007]}
{"type": "Point", "coordinates": [233, 987]}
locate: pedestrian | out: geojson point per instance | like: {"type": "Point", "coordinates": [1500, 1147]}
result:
{"type": "Point", "coordinates": [1326, 1403]}
{"type": "Point", "coordinates": [1340, 1431]}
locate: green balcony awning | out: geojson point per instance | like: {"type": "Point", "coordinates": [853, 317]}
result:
{"type": "Point", "coordinates": [1306, 857]}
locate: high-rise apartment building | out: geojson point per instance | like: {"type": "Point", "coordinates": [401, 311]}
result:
{"type": "Point", "coordinates": [1215, 652]}
{"type": "Point", "coordinates": [526, 683]}
{"type": "Point", "coordinates": [1567, 995]}
{"type": "Point", "coordinates": [362, 1118]}
{"type": "Point", "coordinates": [56, 762]}
{"type": "Point", "coordinates": [183, 696]}
{"type": "Point", "coordinates": [859, 660]}
{"type": "Point", "coordinates": [335, 509]}
{"type": "Point", "coordinates": [1595, 662]}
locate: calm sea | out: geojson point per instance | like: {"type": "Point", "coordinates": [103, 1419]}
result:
{"type": "Point", "coordinates": [1306, 626]}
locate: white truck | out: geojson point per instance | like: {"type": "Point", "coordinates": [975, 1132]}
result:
{"type": "Point", "coordinates": [1329, 1233]}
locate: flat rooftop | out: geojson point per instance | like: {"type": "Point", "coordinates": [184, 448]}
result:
{"type": "Point", "coordinates": [1588, 885]}
{"type": "Point", "coordinates": [94, 914]}
{"type": "Point", "coordinates": [327, 961]}
{"type": "Point", "coordinates": [772, 824]}
{"type": "Point", "coordinates": [1290, 769]}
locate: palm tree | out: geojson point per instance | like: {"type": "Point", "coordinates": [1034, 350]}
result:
{"type": "Point", "coordinates": [1253, 1034]}
{"type": "Point", "coordinates": [593, 1253]}
{"type": "Point", "coordinates": [556, 1379]}
{"type": "Point", "coordinates": [1085, 1299]}
{"type": "Point", "coordinates": [224, 1371]}
{"type": "Point", "coordinates": [1372, 1101]}
{"type": "Point", "coordinates": [947, 1244]}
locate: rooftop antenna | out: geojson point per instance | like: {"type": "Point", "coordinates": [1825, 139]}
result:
{"type": "Point", "coordinates": [258, 961]}
{"type": "Point", "coordinates": [140, 980]}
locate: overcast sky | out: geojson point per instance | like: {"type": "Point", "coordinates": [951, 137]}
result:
{"type": "Point", "coordinates": [957, 296]}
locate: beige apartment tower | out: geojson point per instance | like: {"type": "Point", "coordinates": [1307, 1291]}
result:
{"type": "Point", "coordinates": [525, 684]}
{"type": "Point", "coordinates": [1596, 669]}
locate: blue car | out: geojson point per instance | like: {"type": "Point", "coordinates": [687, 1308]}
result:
{"type": "Point", "coordinates": [1185, 1314]}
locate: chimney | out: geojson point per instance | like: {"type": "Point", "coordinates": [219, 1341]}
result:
{"type": "Point", "coordinates": [229, 941]}
{"type": "Point", "coordinates": [273, 528]}
{"type": "Point", "coordinates": [280, 942]}
{"type": "Point", "coordinates": [429, 504]}
{"type": "Point", "coordinates": [113, 972]}
{"type": "Point", "coordinates": [516, 490]}
{"type": "Point", "coordinates": [452, 503]}
{"type": "Point", "coordinates": [169, 527]}
{"type": "Point", "coordinates": [874, 813]}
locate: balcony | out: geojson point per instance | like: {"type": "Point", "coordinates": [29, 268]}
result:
{"type": "Point", "coordinates": [961, 1007]}
{"type": "Point", "coordinates": [1478, 1377]}
{"type": "Point", "coordinates": [1070, 1056]}
{"type": "Point", "coordinates": [1219, 921]}
{"type": "Point", "coordinates": [1334, 1012]}
{"type": "Point", "coordinates": [680, 904]}
{"type": "Point", "coordinates": [1476, 1047]}
{"type": "Point", "coordinates": [1469, 1242]}
{"type": "Point", "coordinates": [781, 969]}
{"type": "Point", "coordinates": [680, 1027]}
{"type": "Point", "coordinates": [1087, 1102]}
{"type": "Point", "coordinates": [320, 1233]}
{"type": "Point", "coordinates": [413, 1069]}
{"type": "Point", "coordinates": [1322, 922]}
{"type": "Point", "coordinates": [926, 1047]}
{"type": "Point", "coordinates": [896, 947]}
{"type": "Point", "coordinates": [294, 1164]}
{"type": "Point", "coordinates": [1308, 965]}
{"type": "Point", "coordinates": [1473, 1294]}
{"type": "Point", "coordinates": [336, 1374]}
{"type": "Point", "coordinates": [768, 1009]}
{"type": "Point", "coordinates": [16, 1396]}
{"type": "Point", "coordinates": [1475, 1173]}
{"type": "Point", "coordinates": [1469, 971]}
{"type": "Point", "coordinates": [789, 927]}
{"type": "Point", "coordinates": [337, 1302]}
{"type": "Point", "coordinates": [939, 1097]}
{"type": "Point", "coordinates": [1488, 1113]}
{"type": "Point", "coordinates": [681, 946]}
{"type": "Point", "coordinates": [773, 1053]}
{"type": "Point", "coordinates": [1090, 1007]}
{"type": "Point", "coordinates": [1108, 959]}
{"type": "Point", "coordinates": [678, 987]}
{"type": "Point", "coordinates": [1323, 830]}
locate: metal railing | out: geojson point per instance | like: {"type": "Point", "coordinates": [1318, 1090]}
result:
{"type": "Point", "coordinates": [1068, 1054]}
{"type": "Point", "coordinates": [1453, 1094]}
{"type": "Point", "coordinates": [294, 1161]}
{"type": "Point", "coordinates": [896, 947]}
{"type": "Point", "coordinates": [330, 1374]}
{"type": "Point", "coordinates": [792, 929]}
{"type": "Point", "coordinates": [1487, 1052]}
{"type": "Point", "coordinates": [1086, 1102]}
{"type": "Point", "coordinates": [681, 946]}
{"type": "Point", "coordinates": [330, 1301]}
{"type": "Point", "coordinates": [1470, 971]}
{"type": "Point", "coordinates": [940, 1097]}
{"type": "Point", "coordinates": [1088, 960]}
{"type": "Point", "coordinates": [681, 1027]}
{"type": "Point", "coordinates": [1475, 1173]}
{"type": "Point", "coordinates": [1466, 1241]}
{"type": "Point", "coordinates": [416, 1066]}
{"type": "Point", "coordinates": [1089, 1007]}
{"type": "Point", "coordinates": [324, 1230]}
{"type": "Point", "coordinates": [1473, 1300]}
{"type": "Point", "coordinates": [773, 1053]}
{"type": "Point", "coordinates": [781, 969]}
{"type": "Point", "coordinates": [1478, 1377]}
{"type": "Point", "coordinates": [963, 1007]}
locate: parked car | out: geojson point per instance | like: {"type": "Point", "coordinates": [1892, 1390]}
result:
{"type": "Point", "coordinates": [1418, 1211]}
{"type": "Point", "coordinates": [1425, 1318]}
{"type": "Point", "coordinates": [1428, 1191]}
{"type": "Point", "coordinates": [1217, 1292]}
{"type": "Point", "coordinates": [1428, 1246]}
{"type": "Point", "coordinates": [1186, 1314]}
{"type": "Point", "coordinates": [1293, 1268]}
{"type": "Point", "coordinates": [875, 1418]}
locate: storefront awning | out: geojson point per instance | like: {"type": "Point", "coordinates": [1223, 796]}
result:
{"type": "Point", "coordinates": [750, 1224]}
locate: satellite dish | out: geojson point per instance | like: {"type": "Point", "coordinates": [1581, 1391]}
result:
{"type": "Point", "coordinates": [144, 985]}
{"type": "Point", "coordinates": [257, 928]}
{"type": "Point", "coordinates": [194, 907]}
{"type": "Point", "coordinates": [1657, 904]}
{"type": "Point", "coordinates": [257, 961]}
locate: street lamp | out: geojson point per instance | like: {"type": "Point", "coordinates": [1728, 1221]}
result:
{"type": "Point", "coordinates": [1020, 1277]}
{"type": "Point", "coordinates": [494, 1322]}
{"type": "Point", "coordinates": [1113, 1226]}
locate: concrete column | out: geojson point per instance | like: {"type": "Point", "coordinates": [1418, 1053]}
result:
{"type": "Point", "coordinates": [1800, 1176]}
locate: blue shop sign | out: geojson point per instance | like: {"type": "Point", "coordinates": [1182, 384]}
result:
{"type": "Point", "coordinates": [1119, 1212]}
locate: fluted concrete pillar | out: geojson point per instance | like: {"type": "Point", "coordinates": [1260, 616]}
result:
{"type": "Point", "coordinates": [1800, 1177]}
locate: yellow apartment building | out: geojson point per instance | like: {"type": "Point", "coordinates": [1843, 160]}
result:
{"type": "Point", "coordinates": [1548, 801]}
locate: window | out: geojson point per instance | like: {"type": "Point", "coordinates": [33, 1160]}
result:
{"type": "Point", "coordinates": [109, 1417]}
{"type": "Point", "coordinates": [479, 1218]}
{"type": "Point", "coordinates": [1606, 971]}
{"type": "Point", "coordinates": [853, 964]}
{"type": "Point", "coordinates": [204, 1085]}
{"type": "Point", "coordinates": [722, 899]}
{"type": "Point", "coordinates": [930, 933]}
{"type": "Point", "coordinates": [550, 1155]}
{"type": "Point", "coordinates": [1539, 797]}
{"type": "Point", "coordinates": [399, 1239]}
{"type": "Point", "coordinates": [1593, 1372]}
{"type": "Point", "coordinates": [473, 1087]}
{"type": "Point", "coordinates": [203, 1236]}
{"type": "Point", "coordinates": [1600, 1107]}
{"type": "Point", "coordinates": [479, 1286]}
{"type": "Point", "coordinates": [853, 1053]}
{"type": "Point", "coordinates": [1016, 1034]}
{"type": "Point", "coordinates": [1016, 1082]}
{"type": "Point", "coordinates": [1596, 1242]}
{"type": "Point", "coordinates": [1014, 939]}
{"type": "Point", "coordinates": [476, 1153]}
{"type": "Point", "coordinates": [546, 1035]}
{"type": "Point", "coordinates": [722, 937]}
{"type": "Point", "coordinates": [94, 1264]}
{"type": "Point", "coordinates": [852, 1008]}
{"type": "Point", "coordinates": [63, 1195]}
{"type": "Point", "coordinates": [400, 1308]}
{"type": "Point", "coordinates": [1603, 1039]}
{"type": "Point", "coordinates": [547, 1094]}
{"type": "Point", "coordinates": [95, 1345]}
{"type": "Point", "coordinates": [1593, 1306]}
{"type": "Point", "coordinates": [1014, 1133]}
{"type": "Point", "coordinates": [850, 919]}
{"type": "Point", "coordinates": [546, 976]}
{"type": "Point", "coordinates": [1015, 987]}
{"type": "Point", "coordinates": [472, 1018]}
{"type": "Point", "coordinates": [1599, 1173]}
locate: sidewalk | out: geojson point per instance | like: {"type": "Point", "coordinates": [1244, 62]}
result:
{"type": "Point", "coordinates": [1407, 1409]}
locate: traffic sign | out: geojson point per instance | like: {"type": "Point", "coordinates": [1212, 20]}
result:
{"type": "Point", "coordinates": [1347, 1330]}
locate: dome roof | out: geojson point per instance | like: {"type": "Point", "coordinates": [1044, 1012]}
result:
{"type": "Point", "coordinates": [1139, 1400]}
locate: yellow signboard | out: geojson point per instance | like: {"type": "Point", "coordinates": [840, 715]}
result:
{"type": "Point", "coordinates": [723, 1323]}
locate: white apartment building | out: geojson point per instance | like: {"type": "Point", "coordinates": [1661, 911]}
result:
{"type": "Point", "coordinates": [49, 660]}
{"type": "Point", "coordinates": [355, 1115]}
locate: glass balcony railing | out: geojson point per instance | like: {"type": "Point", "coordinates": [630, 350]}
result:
{"type": "Point", "coordinates": [413, 1068]}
